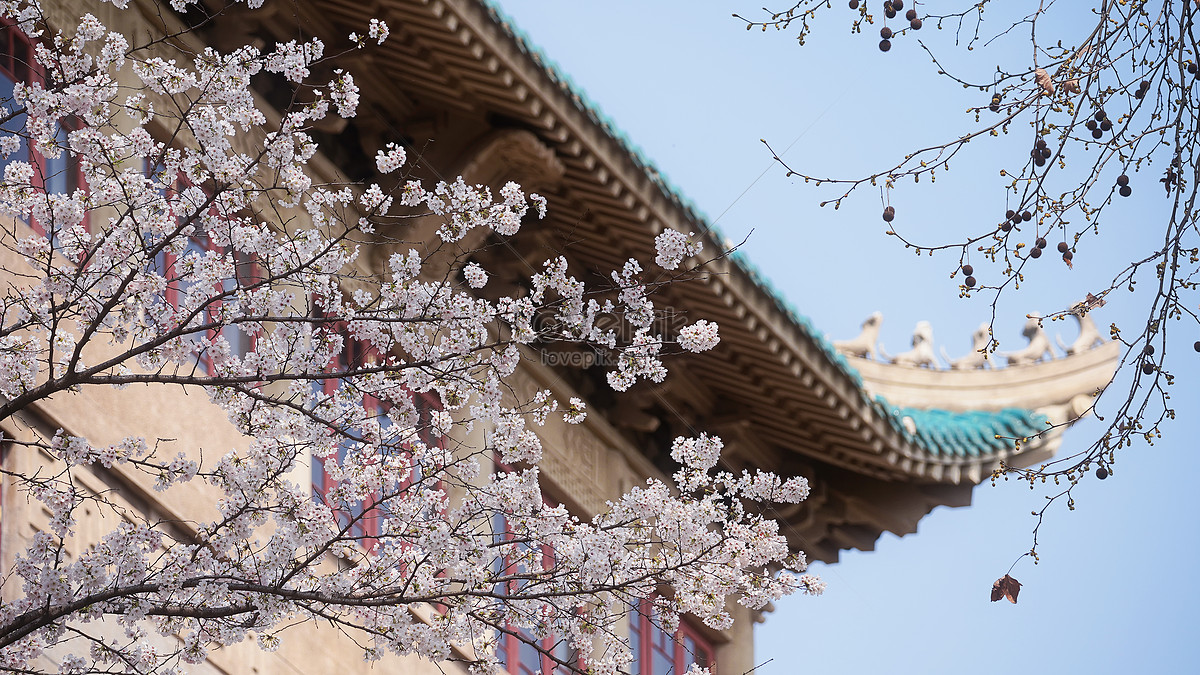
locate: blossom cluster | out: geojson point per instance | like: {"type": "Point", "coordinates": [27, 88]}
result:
{"type": "Point", "coordinates": [673, 246]}
{"type": "Point", "coordinates": [218, 262]}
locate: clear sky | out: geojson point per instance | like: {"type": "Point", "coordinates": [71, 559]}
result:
{"type": "Point", "coordinates": [1115, 590]}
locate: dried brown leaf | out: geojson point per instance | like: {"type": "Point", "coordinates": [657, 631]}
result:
{"type": "Point", "coordinates": [1006, 587]}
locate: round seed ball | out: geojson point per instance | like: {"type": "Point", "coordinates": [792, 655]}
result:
{"type": "Point", "coordinates": [968, 270]}
{"type": "Point", "coordinates": [1063, 247]}
{"type": "Point", "coordinates": [884, 45]}
{"type": "Point", "coordinates": [1125, 191]}
{"type": "Point", "coordinates": [1122, 180]}
{"type": "Point", "coordinates": [1035, 252]}
{"type": "Point", "coordinates": [1101, 473]}
{"type": "Point", "coordinates": [969, 282]}
{"type": "Point", "coordinates": [885, 33]}
{"type": "Point", "coordinates": [915, 24]}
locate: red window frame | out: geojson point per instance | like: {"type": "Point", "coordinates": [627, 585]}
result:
{"type": "Point", "coordinates": [17, 64]}
{"type": "Point", "coordinates": [513, 648]}
{"type": "Point", "coordinates": [657, 652]}
{"type": "Point", "coordinates": [246, 273]}
{"type": "Point", "coordinates": [365, 523]}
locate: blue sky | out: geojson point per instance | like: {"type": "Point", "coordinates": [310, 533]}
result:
{"type": "Point", "coordinates": [1114, 591]}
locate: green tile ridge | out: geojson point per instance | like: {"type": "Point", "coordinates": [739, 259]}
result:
{"type": "Point", "coordinates": [965, 434]}
{"type": "Point", "coordinates": [594, 112]}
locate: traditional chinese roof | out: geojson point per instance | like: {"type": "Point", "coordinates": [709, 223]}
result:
{"type": "Point", "coordinates": [456, 73]}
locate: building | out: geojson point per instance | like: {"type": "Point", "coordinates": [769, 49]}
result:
{"type": "Point", "coordinates": [461, 88]}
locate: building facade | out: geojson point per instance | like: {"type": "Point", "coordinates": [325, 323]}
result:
{"type": "Point", "coordinates": [467, 94]}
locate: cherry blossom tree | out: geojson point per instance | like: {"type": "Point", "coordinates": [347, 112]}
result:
{"type": "Point", "coordinates": [199, 248]}
{"type": "Point", "coordinates": [1088, 104]}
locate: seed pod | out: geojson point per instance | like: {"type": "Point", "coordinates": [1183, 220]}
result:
{"type": "Point", "coordinates": [969, 282]}
{"type": "Point", "coordinates": [915, 24]}
{"type": "Point", "coordinates": [1041, 143]}
{"type": "Point", "coordinates": [853, 4]}
{"type": "Point", "coordinates": [968, 270]}
{"type": "Point", "coordinates": [1148, 368]}
{"type": "Point", "coordinates": [910, 14]}
{"type": "Point", "coordinates": [1100, 115]}
{"type": "Point", "coordinates": [1122, 180]}
{"type": "Point", "coordinates": [889, 12]}
{"type": "Point", "coordinates": [885, 33]}
{"type": "Point", "coordinates": [1148, 350]}
{"type": "Point", "coordinates": [1063, 247]}
{"type": "Point", "coordinates": [1035, 253]}
{"type": "Point", "coordinates": [1125, 191]}
{"type": "Point", "coordinates": [1101, 473]}
{"type": "Point", "coordinates": [897, 5]}
{"type": "Point", "coordinates": [1045, 153]}
{"type": "Point", "coordinates": [1009, 214]}
{"type": "Point", "coordinates": [1192, 68]}
{"type": "Point", "coordinates": [1026, 216]}
{"type": "Point", "coordinates": [1039, 161]}
{"type": "Point", "coordinates": [1097, 134]}
{"type": "Point", "coordinates": [1106, 125]}
{"type": "Point", "coordinates": [1091, 125]}
{"type": "Point", "coordinates": [884, 45]}
{"type": "Point", "coordinates": [1041, 242]}
{"type": "Point", "coordinates": [888, 214]}
{"type": "Point", "coordinates": [1068, 256]}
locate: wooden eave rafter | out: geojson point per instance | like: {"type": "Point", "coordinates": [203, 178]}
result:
{"type": "Point", "coordinates": [800, 403]}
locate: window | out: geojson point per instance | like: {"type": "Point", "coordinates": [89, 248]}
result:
{"type": "Point", "coordinates": [516, 649]}
{"type": "Point", "coordinates": [362, 519]}
{"type": "Point", "coordinates": [657, 652]}
{"type": "Point", "coordinates": [56, 175]}
{"type": "Point", "coordinates": [175, 269]}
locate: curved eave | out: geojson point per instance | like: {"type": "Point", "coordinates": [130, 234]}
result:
{"type": "Point", "coordinates": [1034, 386]}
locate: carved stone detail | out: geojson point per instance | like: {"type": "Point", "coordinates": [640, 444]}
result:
{"type": "Point", "coordinates": [1038, 348]}
{"type": "Point", "coordinates": [977, 358]}
{"type": "Point", "coordinates": [864, 344]}
{"type": "Point", "coordinates": [516, 155]}
{"type": "Point", "coordinates": [921, 353]}
{"type": "Point", "coordinates": [1089, 335]}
